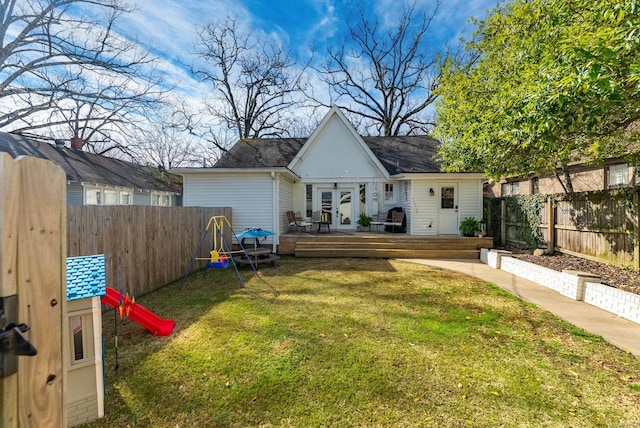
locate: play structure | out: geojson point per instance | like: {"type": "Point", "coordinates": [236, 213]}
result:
{"type": "Point", "coordinates": [221, 254]}
{"type": "Point", "coordinates": [127, 307]}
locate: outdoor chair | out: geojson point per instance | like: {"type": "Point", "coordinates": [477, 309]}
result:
{"type": "Point", "coordinates": [397, 217]}
{"type": "Point", "coordinates": [379, 221]}
{"type": "Point", "coordinates": [291, 219]}
{"type": "Point", "coordinates": [296, 222]}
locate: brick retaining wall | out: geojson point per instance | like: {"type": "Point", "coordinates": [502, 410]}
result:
{"type": "Point", "coordinates": [576, 285]}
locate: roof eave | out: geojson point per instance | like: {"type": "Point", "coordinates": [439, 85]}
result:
{"type": "Point", "coordinates": [437, 175]}
{"type": "Point", "coordinates": [267, 170]}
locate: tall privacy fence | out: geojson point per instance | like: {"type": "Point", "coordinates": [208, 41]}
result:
{"type": "Point", "coordinates": [601, 225]}
{"type": "Point", "coordinates": [145, 247]}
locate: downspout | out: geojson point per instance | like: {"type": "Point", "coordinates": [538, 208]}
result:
{"type": "Point", "coordinates": [276, 209]}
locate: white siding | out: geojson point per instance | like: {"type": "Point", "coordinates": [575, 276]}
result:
{"type": "Point", "coordinates": [250, 197]}
{"type": "Point", "coordinates": [285, 203]}
{"type": "Point", "coordinates": [470, 199]}
{"type": "Point", "coordinates": [405, 199]}
{"type": "Point", "coordinates": [424, 208]}
{"type": "Point", "coordinates": [336, 156]}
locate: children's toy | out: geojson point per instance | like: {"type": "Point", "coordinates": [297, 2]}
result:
{"type": "Point", "coordinates": [221, 253]}
{"type": "Point", "coordinates": [128, 307]}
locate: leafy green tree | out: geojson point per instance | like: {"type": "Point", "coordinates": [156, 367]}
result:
{"type": "Point", "coordinates": [544, 83]}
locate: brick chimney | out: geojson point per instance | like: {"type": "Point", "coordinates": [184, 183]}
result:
{"type": "Point", "coordinates": [77, 143]}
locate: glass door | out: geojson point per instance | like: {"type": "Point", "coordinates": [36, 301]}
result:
{"type": "Point", "coordinates": [345, 209]}
{"type": "Point", "coordinates": [326, 205]}
{"type": "Point", "coordinates": [337, 205]}
{"type": "Point", "coordinates": [448, 209]}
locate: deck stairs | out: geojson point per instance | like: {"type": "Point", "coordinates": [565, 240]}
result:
{"type": "Point", "coordinates": [391, 246]}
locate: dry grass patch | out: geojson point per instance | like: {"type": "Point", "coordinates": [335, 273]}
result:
{"type": "Point", "coordinates": [351, 342]}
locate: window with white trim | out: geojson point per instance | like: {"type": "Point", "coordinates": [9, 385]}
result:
{"type": "Point", "coordinates": [618, 175]}
{"type": "Point", "coordinates": [125, 198]}
{"type": "Point", "coordinates": [81, 331]}
{"type": "Point", "coordinates": [103, 195]}
{"type": "Point", "coordinates": [110, 197]}
{"type": "Point", "coordinates": [93, 196]}
{"type": "Point", "coordinates": [160, 199]}
{"type": "Point", "coordinates": [511, 189]}
{"type": "Point", "coordinates": [389, 195]}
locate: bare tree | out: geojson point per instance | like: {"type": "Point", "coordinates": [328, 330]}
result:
{"type": "Point", "coordinates": [386, 78]}
{"type": "Point", "coordinates": [62, 66]}
{"type": "Point", "coordinates": [102, 112]}
{"type": "Point", "coordinates": [166, 147]}
{"type": "Point", "coordinates": [255, 81]}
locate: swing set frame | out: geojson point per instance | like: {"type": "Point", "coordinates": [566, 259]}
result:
{"type": "Point", "coordinates": [221, 254]}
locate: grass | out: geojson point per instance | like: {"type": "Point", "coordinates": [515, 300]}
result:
{"type": "Point", "coordinates": [351, 342]}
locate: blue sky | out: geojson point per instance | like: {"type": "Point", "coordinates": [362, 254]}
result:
{"type": "Point", "coordinates": [168, 28]}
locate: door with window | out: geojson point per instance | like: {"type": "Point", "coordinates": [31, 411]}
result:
{"type": "Point", "coordinates": [338, 205]}
{"type": "Point", "coordinates": [448, 217]}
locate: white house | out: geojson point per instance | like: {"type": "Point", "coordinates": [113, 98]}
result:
{"type": "Point", "coordinates": [335, 171]}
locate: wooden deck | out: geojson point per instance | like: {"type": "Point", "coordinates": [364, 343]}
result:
{"type": "Point", "coordinates": [383, 246]}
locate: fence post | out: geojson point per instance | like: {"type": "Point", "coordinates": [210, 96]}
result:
{"type": "Point", "coordinates": [551, 226]}
{"type": "Point", "coordinates": [636, 230]}
{"type": "Point", "coordinates": [503, 222]}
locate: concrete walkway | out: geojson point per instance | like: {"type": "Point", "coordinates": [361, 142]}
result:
{"type": "Point", "coordinates": [618, 331]}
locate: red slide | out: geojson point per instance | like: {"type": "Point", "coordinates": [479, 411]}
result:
{"type": "Point", "coordinates": [139, 314]}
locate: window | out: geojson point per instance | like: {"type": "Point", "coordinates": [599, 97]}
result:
{"type": "Point", "coordinates": [125, 198]}
{"type": "Point", "coordinates": [93, 197]}
{"type": "Point", "coordinates": [78, 338]}
{"type": "Point", "coordinates": [101, 195]}
{"type": "Point", "coordinates": [510, 189]}
{"type": "Point", "coordinates": [618, 175]}
{"type": "Point", "coordinates": [110, 197]}
{"type": "Point", "coordinates": [388, 192]}
{"type": "Point", "coordinates": [447, 197]}
{"type": "Point", "coordinates": [535, 186]}
{"type": "Point", "coordinates": [160, 199]}
{"type": "Point", "coordinates": [309, 200]}
{"type": "Point", "coordinates": [363, 198]}
{"type": "Point", "coordinates": [82, 341]}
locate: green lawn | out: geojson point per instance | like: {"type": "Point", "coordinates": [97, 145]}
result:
{"type": "Point", "coordinates": [354, 342]}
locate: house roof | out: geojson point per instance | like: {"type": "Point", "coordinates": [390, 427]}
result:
{"type": "Point", "coordinates": [81, 166]}
{"type": "Point", "coordinates": [405, 154]}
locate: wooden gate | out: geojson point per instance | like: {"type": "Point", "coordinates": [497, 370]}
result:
{"type": "Point", "coordinates": [32, 268]}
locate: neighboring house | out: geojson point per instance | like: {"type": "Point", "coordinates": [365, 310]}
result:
{"type": "Point", "coordinates": [98, 180]}
{"type": "Point", "coordinates": [339, 172]}
{"type": "Point", "coordinates": [614, 173]}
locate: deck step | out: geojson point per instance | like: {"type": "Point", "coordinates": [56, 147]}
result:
{"type": "Point", "coordinates": [386, 246]}
{"type": "Point", "coordinates": [388, 253]}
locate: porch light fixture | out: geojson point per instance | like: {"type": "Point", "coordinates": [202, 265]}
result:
{"type": "Point", "coordinates": [432, 192]}
{"type": "Point", "coordinates": [335, 185]}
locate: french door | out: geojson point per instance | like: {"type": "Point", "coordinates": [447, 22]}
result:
{"type": "Point", "coordinates": [338, 205]}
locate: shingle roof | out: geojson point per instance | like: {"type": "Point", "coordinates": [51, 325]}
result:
{"type": "Point", "coordinates": [87, 167]}
{"type": "Point", "coordinates": [405, 154]}
{"type": "Point", "coordinates": [397, 154]}
{"type": "Point", "coordinates": [261, 153]}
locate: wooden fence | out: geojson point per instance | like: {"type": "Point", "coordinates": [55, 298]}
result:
{"type": "Point", "coordinates": [32, 292]}
{"type": "Point", "coordinates": [144, 247]}
{"type": "Point", "coordinates": [601, 226]}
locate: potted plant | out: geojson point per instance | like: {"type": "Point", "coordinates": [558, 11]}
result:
{"type": "Point", "coordinates": [469, 226]}
{"type": "Point", "coordinates": [364, 221]}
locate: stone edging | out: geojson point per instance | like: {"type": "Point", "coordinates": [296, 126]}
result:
{"type": "Point", "coordinates": [576, 285]}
